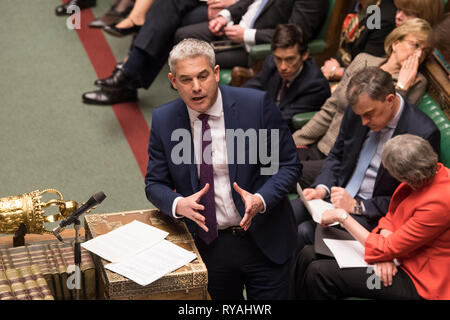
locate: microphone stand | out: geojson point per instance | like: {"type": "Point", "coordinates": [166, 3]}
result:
{"type": "Point", "coordinates": [77, 259]}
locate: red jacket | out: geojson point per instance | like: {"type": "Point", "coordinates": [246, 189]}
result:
{"type": "Point", "coordinates": [420, 222]}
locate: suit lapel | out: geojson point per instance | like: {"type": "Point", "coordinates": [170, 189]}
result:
{"type": "Point", "coordinates": [183, 122]}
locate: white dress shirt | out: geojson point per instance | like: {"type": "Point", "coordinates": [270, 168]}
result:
{"type": "Point", "coordinates": [226, 212]}
{"type": "Point", "coordinates": [246, 20]}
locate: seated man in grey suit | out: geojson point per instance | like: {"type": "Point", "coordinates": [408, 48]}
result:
{"type": "Point", "coordinates": [290, 76]}
{"type": "Point", "coordinates": [352, 176]}
{"type": "Point", "coordinates": [250, 22]}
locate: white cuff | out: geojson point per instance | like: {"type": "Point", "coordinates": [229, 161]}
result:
{"type": "Point", "coordinates": [325, 187]}
{"type": "Point", "coordinates": [174, 208]}
{"type": "Point", "coordinates": [249, 39]}
{"type": "Point", "coordinates": [226, 14]}
{"type": "Point", "coordinates": [264, 203]}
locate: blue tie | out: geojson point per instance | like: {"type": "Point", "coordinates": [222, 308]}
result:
{"type": "Point", "coordinates": [261, 6]}
{"type": "Point", "coordinates": [207, 176]}
{"type": "Point", "coordinates": [366, 155]}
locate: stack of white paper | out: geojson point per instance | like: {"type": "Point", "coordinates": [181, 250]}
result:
{"type": "Point", "coordinates": [348, 253]}
{"type": "Point", "coordinates": [139, 252]}
{"type": "Point", "coordinates": [315, 207]}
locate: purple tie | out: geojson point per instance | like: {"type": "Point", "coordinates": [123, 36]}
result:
{"type": "Point", "coordinates": [207, 176]}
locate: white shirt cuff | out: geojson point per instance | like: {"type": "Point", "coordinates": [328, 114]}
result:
{"type": "Point", "coordinates": [264, 203]}
{"type": "Point", "coordinates": [226, 14]}
{"type": "Point", "coordinates": [325, 187]}
{"type": "Point", "coordinates": [249, 38]}
{"type": "Point", "coordinates": [174, 208]}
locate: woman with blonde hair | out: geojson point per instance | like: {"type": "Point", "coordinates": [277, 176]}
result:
{"type": "Point", "coordinates": [406, 47]}
{"type": "Point", "coordinates": [429, 10]}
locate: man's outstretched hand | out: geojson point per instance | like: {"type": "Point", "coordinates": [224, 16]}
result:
{"type": "Point", "coordinates": [189, 206]}
{"type": "Point", "coordinates": [253, 205]}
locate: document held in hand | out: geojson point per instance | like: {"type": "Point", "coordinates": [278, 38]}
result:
{"type": "Point", "coordinates": [139, 252]}
{"type": "Point", "coordinates": [315, 207]}
{"type": "Point", "coordinates": [348, 253]}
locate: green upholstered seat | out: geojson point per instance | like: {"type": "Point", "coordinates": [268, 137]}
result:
{"type": "Point", "coordinates": [300, 119]}
{"type": "Point", "coordinates": [225, 76]}
{"type": "Point", "coordinates": [429, 106]}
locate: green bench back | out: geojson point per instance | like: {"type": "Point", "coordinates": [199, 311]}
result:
{"type": "Point", "coordinates": [432, 109]}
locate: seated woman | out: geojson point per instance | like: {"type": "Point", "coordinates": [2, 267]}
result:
{"type": "Point", "coordinates": [429, 10]}
{"type": "Point", "coordinates": [406, 47]}
{"type": "Point", "coordinates": [415, 232]}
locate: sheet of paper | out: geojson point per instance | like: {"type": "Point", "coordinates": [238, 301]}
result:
{"type": "Point", "coordinates": [125, 241]}
{"type": "Point", "coordinates": [153, 263]}
{"type": "Point", "coordinates": [315, 207]}
{"type": "Point", "coordinates": [348, 253]}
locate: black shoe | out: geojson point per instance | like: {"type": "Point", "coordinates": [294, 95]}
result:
{"type": "Point", "coordinates": [118, 80]}
{"type": "Point", "coordinates": [61, 10]}
{"type": "Point", "coordinates": [122, 32]}
{"type": "Point", "coordinates": [118, 11]}
{"type": "Point", "coordinates": [109, 97]}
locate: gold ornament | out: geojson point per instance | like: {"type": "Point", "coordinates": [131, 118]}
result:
{"type": "Point", "coordinates": [28, 209]}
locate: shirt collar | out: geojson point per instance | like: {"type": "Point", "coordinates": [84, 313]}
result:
{"type": "Point", "coordinates": [216, 109]}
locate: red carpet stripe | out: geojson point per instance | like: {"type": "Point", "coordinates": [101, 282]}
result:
{"type": "Point", "coordinates": [129, 115]}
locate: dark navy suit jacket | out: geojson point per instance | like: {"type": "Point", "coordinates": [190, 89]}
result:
{"type": "Point", "coordinates": [274, 231]}
{"type": "Point", "coordinates": [308, 92]}
{"type": "Point", "coordinates": [342, 159]}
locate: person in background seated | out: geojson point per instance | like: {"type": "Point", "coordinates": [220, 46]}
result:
{"type": "Point", "coordinates": [352, 177]}
{"type": "Point", "coordinates": [357, 37]}
{"type": "Point", "coordinates": [133, 22]}
{"type": "Point", "coordinates": [291, 77]}
{"type": "Point", "coordinates": [429, 10]}
{"type": "Point", "coordinates": [410, 247]}
{"type": "Point", "coordinates": [251, 22]}
{"type": "Point", "coordinates": [406, 47]}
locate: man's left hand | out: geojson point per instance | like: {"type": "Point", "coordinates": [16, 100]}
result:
{"type": "Point", "coordinates": [341, 199]}
{"type": "Point", "coordinates": [235, 33]}
{"type": "Point", "coordinates": [253, 205]}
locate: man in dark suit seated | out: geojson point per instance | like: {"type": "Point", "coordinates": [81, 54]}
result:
{"type": "Point", "coordinates": [352, 177]}
{"type": "Point", "coordinates": [250, 22]}
{"type": "Point", "coordinates": [205, 167]}
{"type": "Point", "coordinates": [290, 76]}
{"type": "Point", "coordinates": [149, 51]}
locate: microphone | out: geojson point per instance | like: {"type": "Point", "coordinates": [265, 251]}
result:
{"type": "Point", "coordinates": [95, 200]}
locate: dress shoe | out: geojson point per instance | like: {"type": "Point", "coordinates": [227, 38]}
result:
{"type": "Point", "coordinates": [61, 10]}
{"type": "Point", "coordinates": [118, 80]}
{"type": "Point", "coordinates": [110, 97]}
{"type": "Point", "coordinates": [118, 11]}
{"type": "Point", "coordinates": [122, 32]}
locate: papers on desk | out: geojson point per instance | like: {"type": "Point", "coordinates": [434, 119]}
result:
{"type": "Point", "coordinates": [348, 253]}
{"type": "Point", "coordinates": [139, 252]}
{"type": "Point", "coordinates": [126, 241]}
{"type": "Point", "coordinates": [153, 263]}
{"type": "Point", "coordinates": [315, 207]}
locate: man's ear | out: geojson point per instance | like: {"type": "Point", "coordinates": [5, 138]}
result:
{"type": "Point", "coordinates": [172, 80]}
{"type": "Point", "coordinates": [305, 55]}
{"type": "Point", "coordinates": [391, 98]}
{"type": "Point", "coordinates": [217, 73]}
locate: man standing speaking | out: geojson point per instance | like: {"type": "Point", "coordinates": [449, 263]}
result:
{"type": "Point", "coordinates": [236, 209]}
